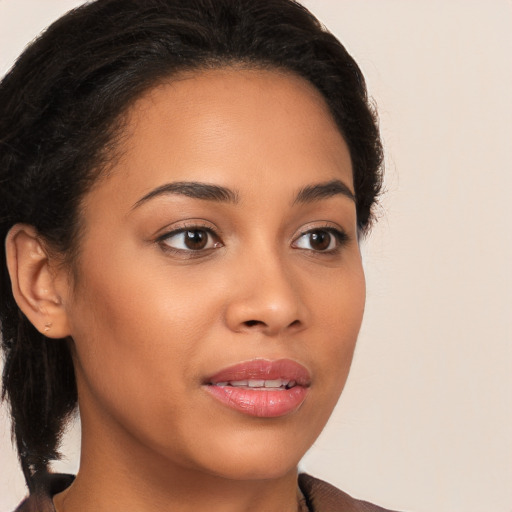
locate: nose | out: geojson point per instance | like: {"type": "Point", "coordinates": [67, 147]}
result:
{"type": "Point", "coordinates": [266, 298]}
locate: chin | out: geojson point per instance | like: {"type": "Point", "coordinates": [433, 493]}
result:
{"type": "Point", "coordinates": [249, 469]}
{"type": "Point", "coordinates": [259, 455]}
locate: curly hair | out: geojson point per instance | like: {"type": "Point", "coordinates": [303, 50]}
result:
{"type": "Point", "coordinates": [60, 111]}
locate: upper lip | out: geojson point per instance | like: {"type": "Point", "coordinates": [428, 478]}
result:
{"type": "Point", "coordinates": [263, 369]}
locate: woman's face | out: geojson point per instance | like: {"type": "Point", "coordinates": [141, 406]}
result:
{"type": "Point", "coordinates": [220, 289]}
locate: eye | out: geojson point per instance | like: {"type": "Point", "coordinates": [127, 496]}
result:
{"type": "Point", "coordinates": [321, 240]}
{"type": "Point", "coordinates": [190, 239]}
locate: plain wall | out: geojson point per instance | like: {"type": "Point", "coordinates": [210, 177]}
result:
{"type": "Point", "coordinates": [425, 422]}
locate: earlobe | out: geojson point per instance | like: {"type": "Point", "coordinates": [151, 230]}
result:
{"type": "Point", "coordinates": [34, 282]}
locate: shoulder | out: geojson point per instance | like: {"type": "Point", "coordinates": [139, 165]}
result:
{"type": "Point", "coordinates": [45, 487]}
{"type": "Point", "coordinates": [323, 497]}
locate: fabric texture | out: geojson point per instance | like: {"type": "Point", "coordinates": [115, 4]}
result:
{"type": "Point", "coordinates": [323, 497]}
{"type": "Point", "coordinates": [319, 496]}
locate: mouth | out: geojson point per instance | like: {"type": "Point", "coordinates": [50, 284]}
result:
{"type": "Point", "coordinates": [261, 388]}
{"type": "Point", "coordinates": [262, 385]}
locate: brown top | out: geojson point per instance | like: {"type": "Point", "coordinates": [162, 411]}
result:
{"type": "Point", "coordinates": [319, 496]}
{"type": "Point", "coordinates": [323, 497]}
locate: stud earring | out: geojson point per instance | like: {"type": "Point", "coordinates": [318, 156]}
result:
{"type": "Point", "coordinates": [47, 326]}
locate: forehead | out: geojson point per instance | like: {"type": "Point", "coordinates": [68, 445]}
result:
{"type": "Point", "coordinates": [232, 127]}
{"type": "Point", "coordinates": [229, 92]}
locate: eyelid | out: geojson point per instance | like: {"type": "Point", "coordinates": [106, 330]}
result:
{"type": "Point", "coordinates": [188, 224]}
{"type": "Point", "coordinates": [335, 230]}
{"type": "Point", "coordinates": [319, 226]}
{"type": "Point", "coordinates": [184, 226]}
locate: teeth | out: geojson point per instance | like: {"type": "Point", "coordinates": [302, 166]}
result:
{"type": "Point", "coordinates": [256, 383]}
{"type": "Point", "coordinates": [237, 383]}
{"type": "Point", "coordinates": [260, 383]}
{"type": "Point", "coordinates": [274, 383]}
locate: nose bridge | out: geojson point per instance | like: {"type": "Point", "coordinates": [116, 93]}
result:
{"type": "Point", "coordinates": [267, 296]}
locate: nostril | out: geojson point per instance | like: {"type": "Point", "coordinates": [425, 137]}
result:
{"type": "Point", "coordinates": [252, 323]}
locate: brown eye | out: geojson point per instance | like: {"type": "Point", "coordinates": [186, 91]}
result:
{"type": "Point", "coordinates": [195, 239]}
{"type": "Point", "coordinates": [191, 239]}
{"type": "Point", "coordinates": [320, 240]}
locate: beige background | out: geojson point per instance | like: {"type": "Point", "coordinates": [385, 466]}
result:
{"type": "Point", "coordinates": [425, 423]}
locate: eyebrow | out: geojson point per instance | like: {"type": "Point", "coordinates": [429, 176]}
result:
{"type": "Point", "coordinates": [209, 192]}
{"type": "Point", "coordinates": [193, 189]}
{"type": "Point", "coordinates": [320, 191]}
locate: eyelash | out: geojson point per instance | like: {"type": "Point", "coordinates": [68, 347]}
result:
{"type": "Point", "coordinates": [339, 236]}
{"type": "Point", "coordinates": [190, 253]}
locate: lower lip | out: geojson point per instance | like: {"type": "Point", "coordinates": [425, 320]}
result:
{"type": "Point", "coordinates": [260, 402]}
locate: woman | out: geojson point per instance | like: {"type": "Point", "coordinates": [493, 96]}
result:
{"type": "Point", "coordinates": [184, 186]}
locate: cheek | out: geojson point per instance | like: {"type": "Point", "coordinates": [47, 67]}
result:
{"type": "Point", "coordinates": [135, 330]}
{"type": "Point", "coordinates": [338, 300]}
{"type": "Point", "coordinates": [338, 316]}
{"type": "Point", "coordinates": [133, 300]}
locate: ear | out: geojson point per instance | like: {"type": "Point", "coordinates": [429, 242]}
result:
{"type": "Point", "coordinates": [36, 282]}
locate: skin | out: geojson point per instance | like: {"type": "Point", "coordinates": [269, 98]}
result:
{"type": "Point", "coordinates": [151, 320]}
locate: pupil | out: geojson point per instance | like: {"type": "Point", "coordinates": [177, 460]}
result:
{"type": "Point", "coordinates": [320, 240]}
{"type": "Point", "coordinates": [196, 239]}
